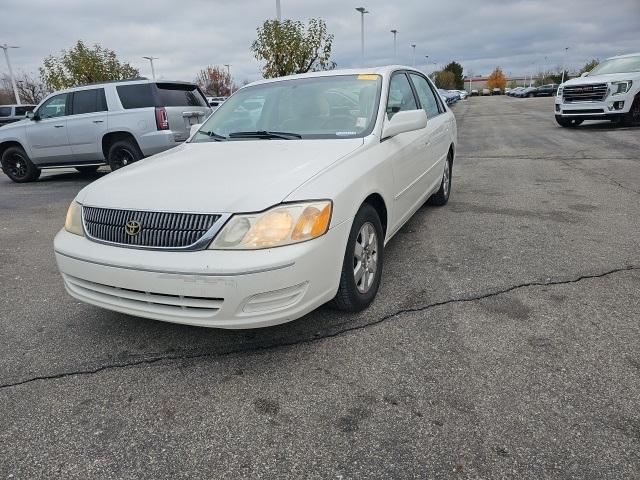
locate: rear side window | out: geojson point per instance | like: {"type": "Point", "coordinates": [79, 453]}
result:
{"type": "Point", "coordinates": [89, 101]}
{"type": "Point", "coordinates": [177, 95]}
{"type": "Point", "coordinates": [136, 96]}
{"type": "Point", "coordinates": [22, 111]}
{"type": "Point", "coordinates": [5, 111]}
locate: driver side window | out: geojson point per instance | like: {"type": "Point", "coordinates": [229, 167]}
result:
{"type": "Point", "coordinates": [54, 107]}
{"type": "Point", "coordinates": [400, 95]}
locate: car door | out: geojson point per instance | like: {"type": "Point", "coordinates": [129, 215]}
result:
{"type": "Point", "coordinates": [406, 150]}
{"type": "Point", "coordinates": [438, 125]}
{"type": "Point", "coordinates": [47, 133]}
{"type": "Point", "coordinates": [87, 124]}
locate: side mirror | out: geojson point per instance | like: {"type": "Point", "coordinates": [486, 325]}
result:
{"type": "Point", "coordinates": [194, 129]}
{"type": "Point", "coordinates": [404, 121]}
{"type": "Point", "coordinates": [31, 115]}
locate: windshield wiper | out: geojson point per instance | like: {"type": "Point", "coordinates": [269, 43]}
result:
{"type": "Point", "coordinates": [266, 135]}
{"type": "Point", "coordinates": [213, 135]}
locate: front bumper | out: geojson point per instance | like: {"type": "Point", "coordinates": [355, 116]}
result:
{"type": "Point", "coordinates": [210, 288]}
{"type": "Point", "coordinates": [608, 109]}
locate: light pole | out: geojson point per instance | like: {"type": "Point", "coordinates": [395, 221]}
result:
{"type": "Point", "coordinates": [564, 63]}
{"type": "Point", "coordinates": [6, 48]}
{"type": "Point", "coordinates": [395, 45]}
{"type": "Point", "coordinates": [414, 54]}
{"type": "Point", "coordinates": [427, 67]}
{"type": "Point", "coordinates": [278, 11]}
{"type": "Point", "coordinates": [362, 11]}
{"type": "Point", "coordinates": [228, 65]}
{"type": "Point", "coordinates": [153, 70]}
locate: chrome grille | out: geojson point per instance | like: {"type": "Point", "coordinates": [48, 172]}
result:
{"type": "Point", "coordinates": [162, 230]}
{"type": "Point", "coordinates": [585, 93]}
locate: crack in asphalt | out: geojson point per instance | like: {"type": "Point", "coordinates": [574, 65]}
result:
{"type": "Point", "coordinates": [385, 318]}
{"type": "Point", "coordinates": [588, 171]}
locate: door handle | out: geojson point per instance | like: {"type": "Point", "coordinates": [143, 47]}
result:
{"type": "Point", "coordinates": [98, 121]}
{"type": "Point", "coordinates": [58, 126]}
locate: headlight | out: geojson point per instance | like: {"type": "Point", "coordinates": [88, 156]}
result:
{"type": "Point", "coordinates": [621, 87]}
{"type": "Point", "coordinates": [560, 90]}
{"type": "Point", "coordinates": [73, 222]}
{"type": "Point", "coordinates": [278, 226]}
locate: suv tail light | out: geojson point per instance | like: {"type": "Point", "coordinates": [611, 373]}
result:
{"type": "Point", "coordinates": [162, 122]}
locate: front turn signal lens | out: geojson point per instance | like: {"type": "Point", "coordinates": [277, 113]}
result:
{"type": "Point", "coordinates": [281, 225]}
{"type": "Point", "coordinates": [73, 222]}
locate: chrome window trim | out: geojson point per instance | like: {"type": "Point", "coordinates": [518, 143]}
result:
{"type": "Point", "coordinates": [202, 243]}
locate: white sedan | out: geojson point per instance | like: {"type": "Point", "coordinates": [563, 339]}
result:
{"type": "Point", "coordinates": [283, 200]}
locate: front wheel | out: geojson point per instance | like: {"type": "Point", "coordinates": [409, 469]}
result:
{"type": "Point", "coordinates": [362, 265]}
{"type": "Point", "coordinates": [122, 153]}
{"type": "Point", "coordinates": [18, 167]}
{"type": "Point", "coordinates": [633, 117]}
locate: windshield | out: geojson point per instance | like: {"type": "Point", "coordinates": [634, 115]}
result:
{"type": "Point", "coordinates": [617, 65]}
{"type": "Point", "coordinates": [340, 106]}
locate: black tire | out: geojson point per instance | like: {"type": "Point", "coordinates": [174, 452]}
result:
{"type": "Point", "coordinates": [632, 118]}
{"type": "Point", "coordinates": [349, 297]}
{"type": "Point", "coordinates": [88, 170]}
{"type": "Point", "coordinates": [18, 167]}
{"type": "Point", "coordinates": [123, 153]}
{"type": "Point", "coordinates": [568, 122]}
{"type": "Point", "coordinates": [441, 197]}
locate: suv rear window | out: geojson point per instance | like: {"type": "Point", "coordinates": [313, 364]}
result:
{"type": "Point", "coordinates": [5, 111]}
{"type": "Point", "coordinates": [136, 96]}
{"type": "Point", "coordinates": [177, 95]}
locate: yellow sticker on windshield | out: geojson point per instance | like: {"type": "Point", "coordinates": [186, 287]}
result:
{"type": "Point", "coordinates": [367, 76]}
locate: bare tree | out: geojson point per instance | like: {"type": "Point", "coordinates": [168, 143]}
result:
{"type": "Point", "coordinates": [215, 81]}
{"type": "Point", "coordinates": [30, 88]}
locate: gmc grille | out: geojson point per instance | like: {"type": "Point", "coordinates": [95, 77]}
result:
{"type": "Point", "coordinates": [585, 93]}
{"type": "Point", "coordinates": [155, 229]}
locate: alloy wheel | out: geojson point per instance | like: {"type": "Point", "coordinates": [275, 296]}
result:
{"type": "Point", "coordinates": [365, 258]}
{"type": "Point", "coordinates": [16, 165]}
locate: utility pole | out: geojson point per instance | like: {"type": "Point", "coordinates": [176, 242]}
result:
{"type": "Point", "coordinates": [395, 45]}
{"type": "Point", "coordinates": [414, 54]}
{"type": "Point", "coordinates": [228, 65]}
{"type": "Point", "coordinates": [427, 63]}
{"type": "Point", "coordinates": [564, 63]}
{"type": "Point", "coordinates": [278, 11]}
{"type": "Point", "coordinates": [153, 70]}
{"type": "Point", "coordinates": [6, 48]}
{"type": "Point", "coordinates": [362, 11]}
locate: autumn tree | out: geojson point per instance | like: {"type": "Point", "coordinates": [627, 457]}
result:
{"type": "Point", "coordinates": [456, 69]}
{"type": "Point", "coordinates": [81, 65]}
{"type": "Point", "coordinates": [445, 79]}
{"type": "Point", "coordinates": [215, 81]}
{"type": "Point", "coordinates": [30, 88]}
{"type": "Point", "coordinates": [287, 47]}
{"type": "Point", "coordinates": [590, 65]}
{"type": "Point", "coordinates": [497, 79]}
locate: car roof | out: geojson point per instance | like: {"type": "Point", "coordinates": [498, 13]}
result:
{"type": "Point", "coordinates": [384, 71]}
{"type": "Point", "coordinates": [132, 81]}
{"type": "Point", "coordinates": [625, 56]}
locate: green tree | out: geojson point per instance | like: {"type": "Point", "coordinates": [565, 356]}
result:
{"type": "Point", "coordinates": [445, 79]}
{"type": "Point", "coordinates": [590, 65]}
{"type": "Point", "coordinates": [81, 65]}
{"type": "Point", "coordinates": [456, 69]}
{"type": "Point", "coordinates": [287, 47]}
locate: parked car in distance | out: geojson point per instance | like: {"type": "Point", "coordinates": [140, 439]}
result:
{"type": "Point", "coordinates": [548, 90]}
{"type": "Point", "coordinates": [486, 91]}
{"type": "Point", "coordinates": [507, 90]}
{"type": "Point", "coordinates": [514, 91]}
{"type": "Point", "coordinates": [449, 97]}
{"type": "Point", "coordinates": [257, 220]}
{"type": "Point", "coordinates": [496, 91]}
{"type": "Point", "coordinates": [474, 92]}
{"type": "Point", "coordinates": [14, 113]}
{"type": "Point", "coordinates": [611, 91]}
{"type": "Point", "coordinates": [215, 102]}
{"type": "Point", "coordinates": [527, 92]}
{"type": "Point", "coordinates": [115, 123]}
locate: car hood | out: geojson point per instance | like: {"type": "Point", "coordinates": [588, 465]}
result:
{"type": "Point", "coordinates": [13, 126]}
{"type": "Point", "coordinates": [612, 77]}
{"type": "Point", "coordinates": [224, 177]}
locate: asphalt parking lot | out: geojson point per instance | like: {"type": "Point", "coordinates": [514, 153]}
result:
{"type": "Point", "coordinates": [504, 342]}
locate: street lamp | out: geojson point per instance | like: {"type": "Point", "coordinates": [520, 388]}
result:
{"type": "Point", "coordinates": [153, 70]}
{"type": "Point", "coordinates": [564, 63]}
{"type": "Point", "coordinates": [278, 11]}
{"type": "Point", "coordinates": [6, 48]}
{"type": "Point", "coordinates": [414, 54]}
{"type": "Point", "coordinates": [362, 11]}
{"type": "Point", "coordinates": [395, 48]}
{"type": "Point", "coordinates": [228, 65]}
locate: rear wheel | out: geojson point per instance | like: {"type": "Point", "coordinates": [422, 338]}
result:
{"type": "Point", "coordinates": [441, 197]}
{"type": "Point", "coordinates": [362, 266]}
{"type": "Point", "coordinates": [568, 122]}
{"type": "Point", "coordinates": [18, 167]}
{"type": "Point", "coordinates": [122, 153]}
{"type": "Point", "coordinates": [87, 170]}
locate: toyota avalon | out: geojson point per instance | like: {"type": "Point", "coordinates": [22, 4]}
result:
{"type": "Point", "coordinates": [281, 201]}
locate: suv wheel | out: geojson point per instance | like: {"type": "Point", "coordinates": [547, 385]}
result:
{"type": "Point", "coordinates": [122, 153]}
{"type": "Point", "coordinates": [362, 266]}
{"type": "Point", "coordinates": [633, 117]}
{"type": "Point", "coordinates": [18, 167]}
{"type": "Point", "coordinates": [568, 122]}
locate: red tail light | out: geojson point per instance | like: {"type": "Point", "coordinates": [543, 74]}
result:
{"type": "Point", "coordinates": [162, 122]}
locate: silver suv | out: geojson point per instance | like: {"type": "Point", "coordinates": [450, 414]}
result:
{"type": "Point", "coordinates": [112, 123]}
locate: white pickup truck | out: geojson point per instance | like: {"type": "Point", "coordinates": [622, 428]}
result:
{"type": "Point", "coordinates": [611, 91]}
